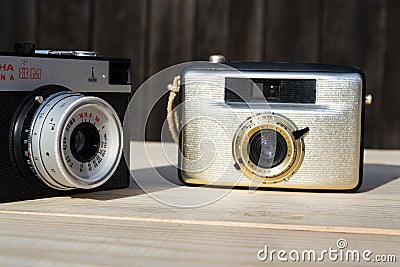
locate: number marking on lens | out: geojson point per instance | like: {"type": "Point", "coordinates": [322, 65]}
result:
{"type": "Point", "coordinates": [79, 152]}
{"type": "Point", "coordinates": [70, 123]}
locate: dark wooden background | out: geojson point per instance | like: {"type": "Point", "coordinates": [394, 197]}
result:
{"type": "Point", "coordinates": [161, 33]}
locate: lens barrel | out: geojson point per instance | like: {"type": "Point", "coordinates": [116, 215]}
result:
{"type": "Point", "coordinates": [265, 149]}
{"type": "Point", "coordinates": [74, 141]}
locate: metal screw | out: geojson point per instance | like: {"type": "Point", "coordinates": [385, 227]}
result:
{"type": "Point", "coordinates": [39, 99]}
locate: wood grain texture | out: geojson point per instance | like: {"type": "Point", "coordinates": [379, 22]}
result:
{"type": "Point", "coordinates": [390, 91]}
{"type": "Point", "coordinates": [170, 42]}
{"type": "Point", "coordinates": [119, 30]}
{"type": "Point", "coordinates": [94, 242]}
{"type": "Point", "coordinates": [156, 34]}
{"type": "Point", "coordinates": [127, 227]}
{"type": "Point", "coordinates": [211, 36]}
{"type": "Point", "coordinates": [246, 30]}
{"type": "Point", "coordinates": [354, 35]}
{"type": "Point", "coordinates": [18, 22]}
{"type": "Point", "coordinates": [171, 24]}
{"type": "Point", "coordinates": [63, 24]}
{"type": "Point", "coordinates": [292, 31]}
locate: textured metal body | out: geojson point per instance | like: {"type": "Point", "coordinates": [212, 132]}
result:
{"type": "Point", "coordinates": [332, 147]}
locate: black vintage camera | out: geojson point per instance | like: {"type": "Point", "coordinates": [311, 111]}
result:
{"type": "Point", "coordinates": [60, 126]}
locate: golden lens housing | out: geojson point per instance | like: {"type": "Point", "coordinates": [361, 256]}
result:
{"type": "Point", "coordinates": [287, 167]}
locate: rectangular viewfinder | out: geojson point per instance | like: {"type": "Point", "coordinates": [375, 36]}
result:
{"type": "Point", "coordinates": [301, 91]}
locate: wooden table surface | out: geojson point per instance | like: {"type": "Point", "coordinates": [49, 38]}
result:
{"type": "Point", "coordinates": [130, 227]}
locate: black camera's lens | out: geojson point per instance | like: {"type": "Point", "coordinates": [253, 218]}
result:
{"type": "Point", "coordinates": [267, 148]}
{"type": "Point", "coordinates": [85, 141]}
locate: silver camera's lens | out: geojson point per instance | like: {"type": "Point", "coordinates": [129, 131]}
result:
{"type": "Point", "coordinates": [75, 141]}
{"type": "Point", "coordinates": [265, 148]}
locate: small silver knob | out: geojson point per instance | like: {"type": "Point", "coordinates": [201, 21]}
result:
{"type": "Point", "coordinates": [39, 99]}
{"type": "Point", "coordinates": [216, 59]}
{"type": "Point", "coordinates": [368, 100]}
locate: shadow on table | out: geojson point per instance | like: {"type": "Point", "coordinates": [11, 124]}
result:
{"type": "Point", "coordinates": [166, 177]}
{"type": "Point", "coordinates": [377, 175]}
{"type": "Point", "coordinates": [151, 179]}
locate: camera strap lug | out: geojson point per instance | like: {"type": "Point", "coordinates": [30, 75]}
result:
{"type": "Point", "coordinates": [368, 100]}
{"type": "Point", "coordinates": [172, 116]}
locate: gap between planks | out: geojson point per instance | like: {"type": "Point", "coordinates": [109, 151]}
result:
{"type": "Point", "coordinates": [267, 226]}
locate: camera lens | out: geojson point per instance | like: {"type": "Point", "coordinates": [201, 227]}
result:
{"type": "Point", "coordinates": [267, 148]}
{"type": "Point", "coordinates": [75, 141]}
{"type": "Point", "coordinates": [85, 141]}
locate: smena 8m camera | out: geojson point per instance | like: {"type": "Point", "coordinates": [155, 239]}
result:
{"type": "Point", "coordinates": [60, 124]}
{"type": "Point", "coordinates": [272, 125]}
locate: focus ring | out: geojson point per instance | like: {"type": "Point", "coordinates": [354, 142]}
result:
{"type": "Point", "coordinates": [35, 149]}
{"type": "Point", "coordinates": [50, 141]}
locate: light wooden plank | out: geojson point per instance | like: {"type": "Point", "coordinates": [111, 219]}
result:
{"type": "Point", "coordinates": [267, 226]}
{"type": "Point", "coordinates": [127, 227]}
{"type": "Point", "coordinates": [375, 207]}
{"type": "Point", "coordinates": [48, 241]}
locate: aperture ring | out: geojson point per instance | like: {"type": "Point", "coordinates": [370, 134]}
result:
{"type": "Point", "coordinates": [268, 172]}
{"type": "Point", "coordinates": [50, 141]}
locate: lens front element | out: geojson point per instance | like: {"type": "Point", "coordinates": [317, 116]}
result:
{"type": "Point", "coordinates": [75, 141]}
{"type": "Point", "coordinates": [85, 142]}
{"type": "Point", "coordinates": [267, 148]}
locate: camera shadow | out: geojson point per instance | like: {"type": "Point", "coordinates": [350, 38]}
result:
{"type": "Point", "coordinates": [377, 175]}
{"type": "Point", "coordinates": [149, 177]}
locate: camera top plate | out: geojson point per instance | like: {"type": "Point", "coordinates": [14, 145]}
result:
{"type": "Point", "coordinates": [293, 67]}
{"type": "Point", "coordinates": [25, 70]}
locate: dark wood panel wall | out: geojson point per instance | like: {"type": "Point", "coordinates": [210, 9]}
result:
{"type": "Point", "coordinates": [159, 33]}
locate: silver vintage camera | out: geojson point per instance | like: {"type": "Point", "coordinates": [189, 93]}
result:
{"type": "Point", "coordinates": [272, 125]}
{"type": "Point", "coordinates": [60, 125]}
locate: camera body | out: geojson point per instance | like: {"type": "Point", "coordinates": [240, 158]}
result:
{"type": "Point", "coordinates": [61, 131]}
{"type": "Point", "coordinates": [272, 125]}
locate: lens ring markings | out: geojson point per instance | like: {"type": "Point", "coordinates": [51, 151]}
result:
{"type": "Point", "coordinates": [286, 153]}
{"type": "Point", "coordinates": [50, 141]}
